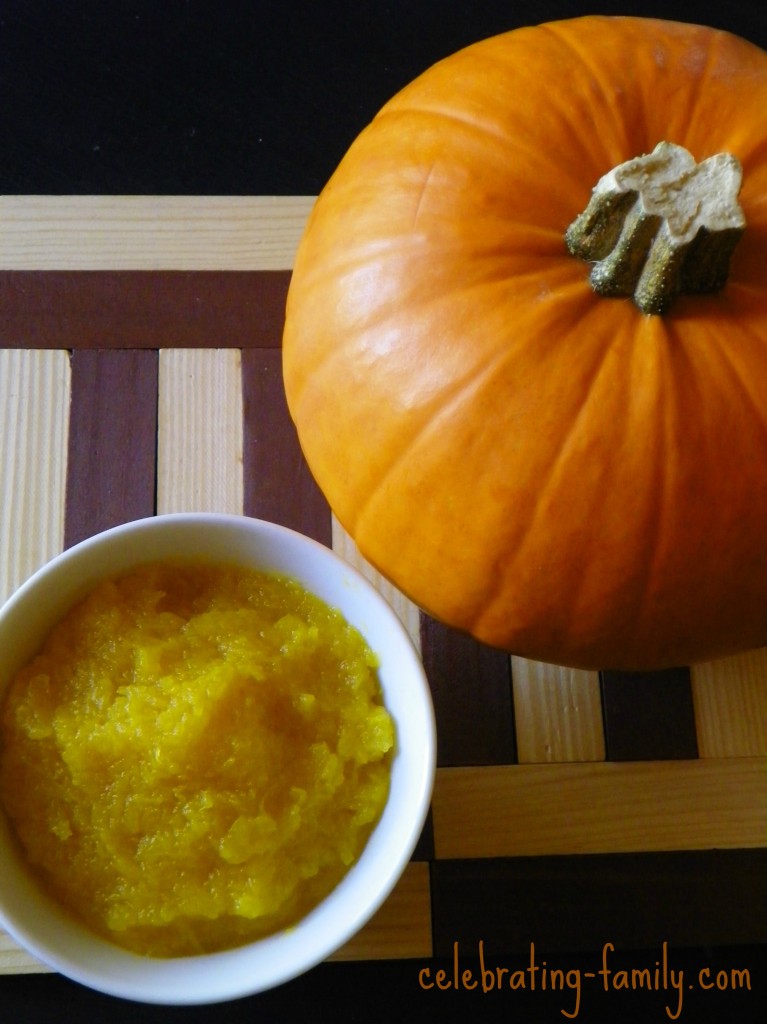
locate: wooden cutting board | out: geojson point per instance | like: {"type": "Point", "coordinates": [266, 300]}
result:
{"type": "Point", "coordinates": [140, 374]}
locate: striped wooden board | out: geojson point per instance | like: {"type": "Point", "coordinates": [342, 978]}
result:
{"type": "Point", "coordinates": [140, 374]}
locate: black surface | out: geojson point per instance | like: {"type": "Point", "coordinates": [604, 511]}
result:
{"type": "Point", "coordinates": [235, 97]}
{"type": "Point", "coordinates": [379, 993]}
{"type": "Point", "coordinates": [471, 686]}
{"type": "Point", "coordinates": [649, 716]}
{"type": "Point", "coordinates": [263, 97]}
{"type": "Point", "coordinates": [635, 901]}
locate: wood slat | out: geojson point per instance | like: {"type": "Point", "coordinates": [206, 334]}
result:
{"type": "Point", "coordinates": [34, 425]}
{"type": "Point", "coordinates": [557, 713]}
{"type": "Point", "coordinates": [471, 688]}
{"type": "Point", "coordinates": [277, 483]}
{"type": "Point", "coordinates": [142, 309]}
{"type": "Point", "coordinates": [636, 901]}
{"type": "Point", "coordinates": [649, 715]}
{"type": "Point", "coordinates": [408, 612]}
{"type": "Point", "coordinates": [402, 927]}
{"type": "Point", "coordinates": [525, 810]}
{"type": "Point", "coordinates": [15, 960]}
{"type": "Point", "coordinates": [571, 847]}
{"type": "Point", "coordinates": [112, 441]}
{"type": "Point", "coordinates": [410, 615]}
{"type": "Point", "coordinates": [199, 431]}
{"type": "Point", "coordinates": [151, 232]}
{"type": "Point", "coordinates": [730, 698]}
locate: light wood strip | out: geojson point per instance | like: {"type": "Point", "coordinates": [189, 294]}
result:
{"type": "Point", "coordinates": [402, 927]}
{"type": "Point", "coordinates": [730, 701]}
{"type": "Point", "coordinates": [557, 713]}
{"type": "Point", "coordinates": [403, 606]}
{"type": "Point", "coordinates": [34, 425]}
{"type": "Point", "coordinates": [525, 810]}
{"type": "Point", "coordinates": [151, 232]}
{"type": "Point", "coordinates": [15, 960]}
{"type": "Point", "coordinates": [199, 433]}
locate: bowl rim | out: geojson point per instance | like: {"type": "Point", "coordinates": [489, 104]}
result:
{"type": "Point", "coordinates": [268, 962]}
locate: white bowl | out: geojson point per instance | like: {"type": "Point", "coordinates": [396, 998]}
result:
{"type": "Point", "coordinates": [54, 938]}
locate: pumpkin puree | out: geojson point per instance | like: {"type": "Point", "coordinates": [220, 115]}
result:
{"type": "Point", "coordinates": [196, 757]}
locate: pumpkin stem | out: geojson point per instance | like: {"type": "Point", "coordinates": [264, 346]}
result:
{"type": "Point", "coordinates": [661, 225]}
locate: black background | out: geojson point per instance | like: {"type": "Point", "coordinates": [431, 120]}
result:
{"type": "Point", "coordinates": [264, 97]}
{"type": "Point", "coordinates": [235, 97]}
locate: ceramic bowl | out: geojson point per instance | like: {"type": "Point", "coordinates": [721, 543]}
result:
{"type": "Point", "coordinates": [38, 924]}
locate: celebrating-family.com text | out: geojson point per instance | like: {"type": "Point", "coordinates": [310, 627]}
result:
{"type": "Point", "coordinates": [484, 974]}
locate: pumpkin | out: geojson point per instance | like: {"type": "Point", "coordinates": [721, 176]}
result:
{"type": "Point", "coordinates": [556, 470]}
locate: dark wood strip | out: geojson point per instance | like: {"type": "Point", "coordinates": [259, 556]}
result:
{"type": "Point", "coordinates": [142, 309]}
{"type": "Point", "coordinates": [424, 849]}
{"type": "Point", "coordinates": [382, 991]}
{"type": "Point", "coordinates": [277, 483]}
{"type": "Point", "coordinates": [635, 901]}
{"type": "Point", "coordinates": [112, 441]}
{"type": "Point", "coordinates": [649, 716]}
{"type": "Point", "coordinates": [471, 688]}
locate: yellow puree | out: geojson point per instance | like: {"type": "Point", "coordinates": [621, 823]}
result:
{"type": "Point", "coordinates": [196, 757]}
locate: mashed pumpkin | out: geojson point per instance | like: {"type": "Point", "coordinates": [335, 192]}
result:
{"type": "Point", "coordinates": [196, 757]}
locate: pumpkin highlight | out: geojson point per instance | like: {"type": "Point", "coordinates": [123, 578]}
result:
{"type": "Point", "coordinates": [555, 472]}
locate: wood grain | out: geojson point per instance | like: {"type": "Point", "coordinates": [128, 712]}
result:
{"type": "Point", "coordinates": [72, 309]}
{"type": "Point", "coordinates": [471, 686]}
{"type": "Point", "coordinates": [649, 715]}
{"type": "Point", "coordinates": [15, 960]}
{"type": "Point", "coordinates": [278, 484]}
{"type": "Point", "coordinates": [581, 840]}
{"type": "Point", "coordinates": [730, 698]}
{"type": "Point", "coordinates": [199, 431]}
{"type": "Point", "coordinates": [557, 713]}
{"type": "Point", "coordinates": [408, 612]}
{"type": "Point", "coordinates": [402, 927]}
{"type": "Point", "coordinates": [526, 810]}
{"type": "Point", "coordinates": [34, 427]}
{"type": "Point", "coordinates": [637, 901]}
{"type": "Point", "coordinates": [112, 441]}
{"type": "Point", "coordinates": [151, 232]}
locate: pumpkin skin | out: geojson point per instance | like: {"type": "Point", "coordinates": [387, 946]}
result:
{"type": "Point", "coordinates": [553, 472]}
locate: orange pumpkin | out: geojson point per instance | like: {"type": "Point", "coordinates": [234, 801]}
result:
{"type": "Point", "coordinates": [556, 472]}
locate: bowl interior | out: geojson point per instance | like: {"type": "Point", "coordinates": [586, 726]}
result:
{"type": "Point", "coordinates": [25, 620]}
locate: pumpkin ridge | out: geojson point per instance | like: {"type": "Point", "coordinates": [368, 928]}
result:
{"type": "Point", "coordinates": [506, 564]}
{"type": "Point", "coordinates": [549, 238]}
{"type": "Point", "coordinates": [428, 177]}
{"type": "Point", "coordinates": [752, 291]}
{"type": "Point", "coordinates": [662, 477]}
{"type": "Point", "coordinates": [569, 438]}
{"type": "Point", "coordinates": [447, 403]}
{"type": "Point", "coordinates": [562, 31]}
{"type": "Point", "coordinates": [529, 153]}
{"type": "Point", "coordinates": [498, 277]}
{"type": "Point", "coordinates": [753, 153]}
{"type": "Point", "coordinates": [474, 124]}
{"type": "Point", "coordinates": [654, 514]}
{"type": "Point", "coordinates": [662, 507]}
{"type": "Point", "coordinates": [698, 95]}
{"type": "Point", "coordinates": [737, 377]}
